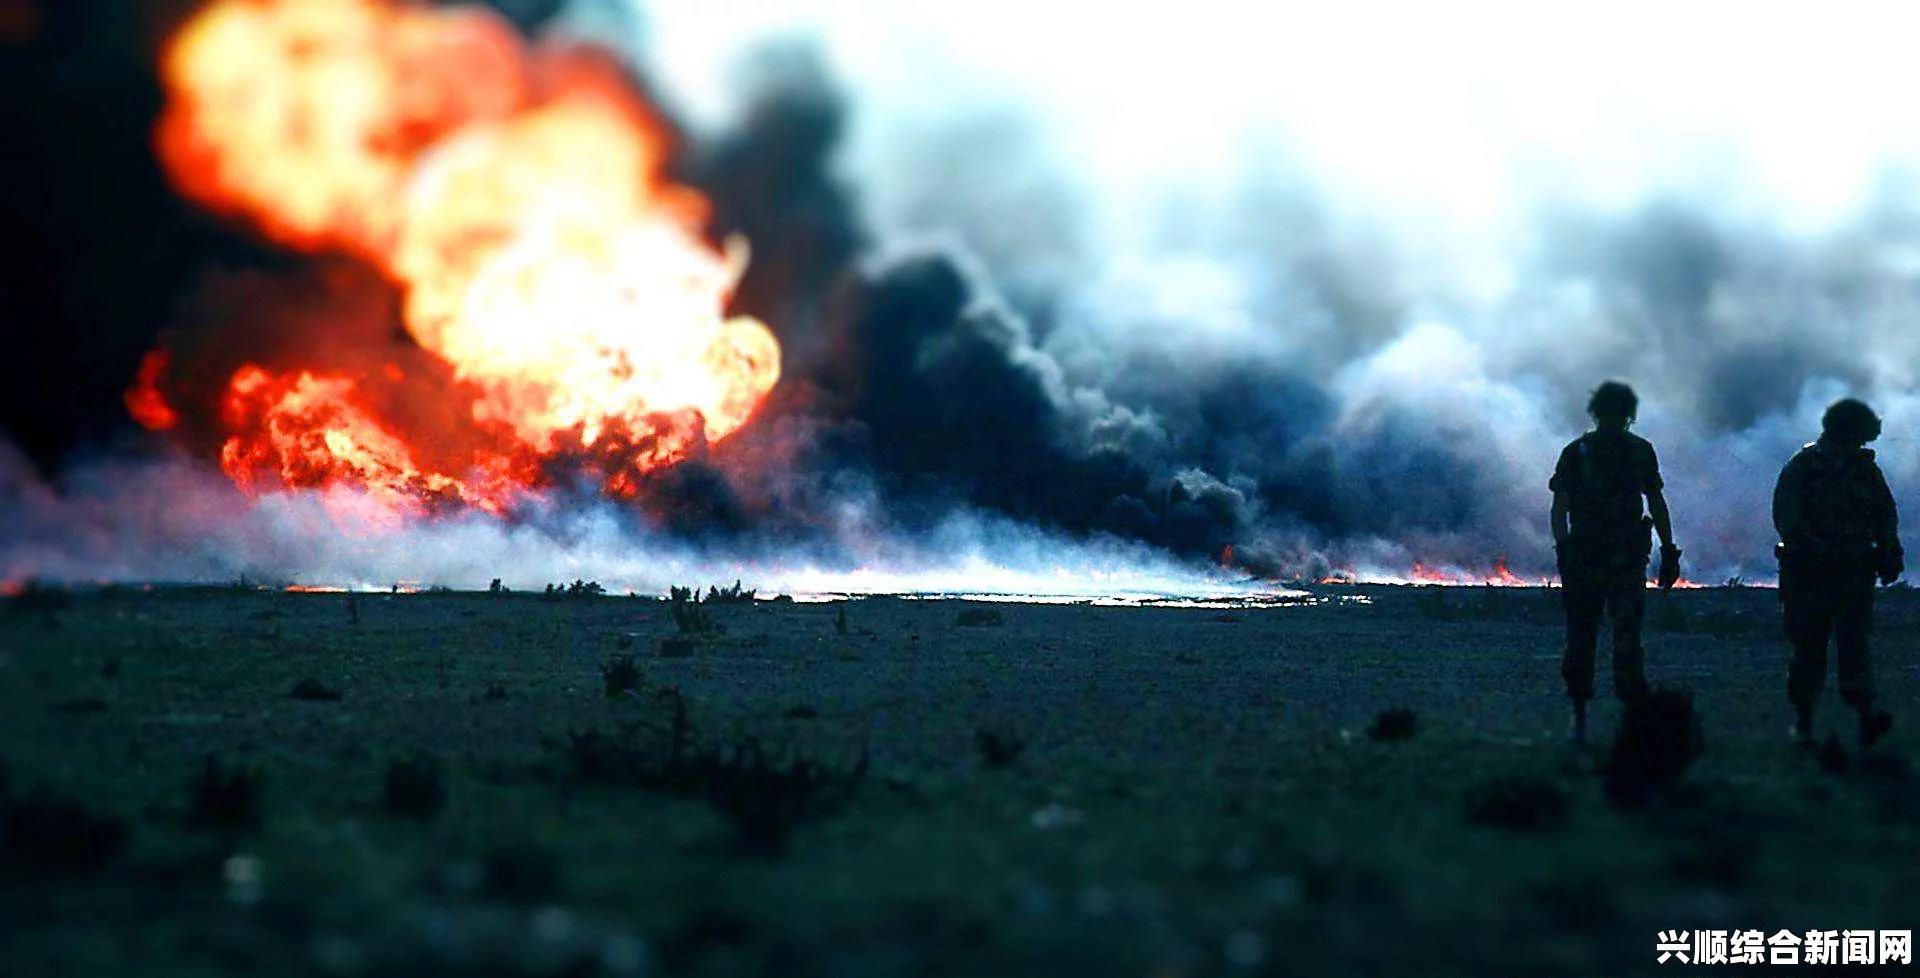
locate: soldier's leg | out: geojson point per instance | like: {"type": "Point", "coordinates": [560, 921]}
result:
{"type": "Point", "coordinates": [1807, 612]}
{"type": "Point", "coordinates": [1852, 624]}
{"type": "Point", "coordinates": [1627, 598]}
{"type": "Point", "coordinates": [1584, 603]}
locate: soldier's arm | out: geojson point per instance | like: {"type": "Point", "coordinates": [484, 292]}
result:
{"type": "Point", "coordinates": [1557, 519]}
{"type": "Point", "coordinates": [1788, 521]}
{"type": "Point", "coordinates": [1655, 488]}
{"type": "Point", "coordinates": [1662, 520]}
{"type": "Point", "coordinates": [1886, 531]}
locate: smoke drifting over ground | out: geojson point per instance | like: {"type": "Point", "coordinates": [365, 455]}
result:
{"type": "Point", "coordinates": [1343, 324]}
{"type": "Point", "coordinates": [1237, 331]}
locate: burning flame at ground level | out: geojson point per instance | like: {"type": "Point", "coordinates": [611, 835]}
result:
{"type": "Point", "coordinates": [1425, 574]}
{"type": "Point", "coordinates": [514, 195]}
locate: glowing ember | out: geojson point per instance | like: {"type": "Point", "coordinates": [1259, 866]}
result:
{"type": "Point", "coordinates": [144, 400]}
{"type": "Point", "coordinates": [515, 196]}
{"type": "Point", "coordinates": [1502, 577]}
{"type": "Point", "coordinates": [305, 431]}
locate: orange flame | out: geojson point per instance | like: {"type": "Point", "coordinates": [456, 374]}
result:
{"type": "Point", "coordinates": [303, 430]}
{"type": "Point", "coordinates": [144, 400]}
{"type": "Point", "coordinates": [515, 195]}
{"type": "Point", "coordinates": [1502, 577]}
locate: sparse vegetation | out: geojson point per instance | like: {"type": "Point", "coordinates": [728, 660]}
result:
{"type": "Point", "coordinates": [38, 599]}
{"type": "Point", "coordinates": [1177, 806]}
{"type": "Point", "coordinates": [998, 748]}
{"type": "Point", "coordinates": [579, 590]}
{"type": "Point", "coordinates": [690, 613]}
{"type": "Point", "coordinates": [732, 595]}
{"type": "Point", "coordinates": [1659, 738]}
{"type": "Point", "coordinates": [1833, 756]}
{"type": "Point", "coordinates": [312, 690]}
{"type": "Point", "coordinates": [1448, 603]}
{"type": "Point", "coordinates": [620, 675]}
{"type": "Point", "coordinates": [1520, 803]}
{"type": "Point", "coordinates": [44, 836]}
{"type": "Point", "coordinates": [1397, 724]}
{"type": "Point", "coordinates": [524, 872]}
{"type": "Point", "coordinates": [765, 795]}
{"type": "Point", "coordinates": [414, 787]}
{"type": "Point", "coordinates": [1672, 616]}
{"type": "Point", "coordinates": [979, 617]}
{"type": "Point", "coordinates": [225, 797]}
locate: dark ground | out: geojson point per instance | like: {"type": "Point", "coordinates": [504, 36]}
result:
{"type": "Point", "coordinates": [1197, 793]}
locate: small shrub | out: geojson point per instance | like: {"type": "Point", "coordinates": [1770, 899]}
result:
{"type": "Point", "coordinates": [495, 692]}
{"type": "Point", "coordinates": [1718, 858]}
{"type": "Point", "coordinates": [979, 617]}
{"type": "Point", "coordinates": [620, 675]}
{"type": "Point", "coordinates": [1394, 725]}
{"type": "Point", "coordinates": [1659, 739]}
{"type": "Point", "coordinates": [733, 595]}
{"type": "Point", "coordinates": [1519, 803]}
{"type": "Point", "coordinates": [40, 599]}
{"type": "Point", "coordinates": [1433, 604]}
{"type": "Point", "coordinates": [523, 872]}
{"type": "Point", "coordinates": [594, 757]}
{"type": "Point", "coordinates": [998, 749]}
{"type": "Point", "coordinates": [1833, 757]}
{"type": "Point", "coordinates": [766, 798]}
{"type": "Point", "coordinates": [681, 646]}
{"type": "Point", "coordinates": [81, 705]}
{"type": "Point", "coordinates": [1721, 623]}
{"type": "Point", "coordinates": [43, 837]}
{"type": "Point", "coordinates": [690, 615]}
{"type": "Point", "coordinates": [495, 587]}
{"type": "Point", "coordinates": [414, 787]}
{"type": "Point", "coordinates": [314, 691]}
{"type": "Point", "coordinates": [225, 798]}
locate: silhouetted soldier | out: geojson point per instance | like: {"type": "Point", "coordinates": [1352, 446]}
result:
{"type": "Point", "coordinates": [1603, 536]}
{"type": "Point", "coordinates": [1838, 530]}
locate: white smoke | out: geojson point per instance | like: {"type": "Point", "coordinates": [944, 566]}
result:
{"type": "Point", "coordinates": [1463, 214]}
{"type": "Point", "coordinates": [174, 520]}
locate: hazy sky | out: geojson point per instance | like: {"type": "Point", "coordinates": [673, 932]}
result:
{"type": "Point", "coordinates": [1462, 111]}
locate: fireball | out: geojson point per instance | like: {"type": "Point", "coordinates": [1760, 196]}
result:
{"type": "Point", "coordinates": [515, 195]}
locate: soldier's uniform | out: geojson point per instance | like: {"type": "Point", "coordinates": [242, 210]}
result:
{"type": "Point", "coordinates": [1838, 527]}
{"type": "Point", "coordinates": [1606, 476]}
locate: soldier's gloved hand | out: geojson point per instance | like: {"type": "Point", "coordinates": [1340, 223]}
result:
{"type": "Point", "coordinates": [1669, 567]}
{"type": "Point", "coordinates": [1892, 563]}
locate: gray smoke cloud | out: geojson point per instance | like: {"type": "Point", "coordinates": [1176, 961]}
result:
{"type": "Point", "coordinates": [1067, 305]}
{"type": "Point", "coordinates": [1341, 322]}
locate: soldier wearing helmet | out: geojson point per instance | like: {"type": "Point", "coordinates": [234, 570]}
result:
{"type": "Point", "coordinates": [1607, 504]}
{"type": "Point", "coordinates": [1839, 530]}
